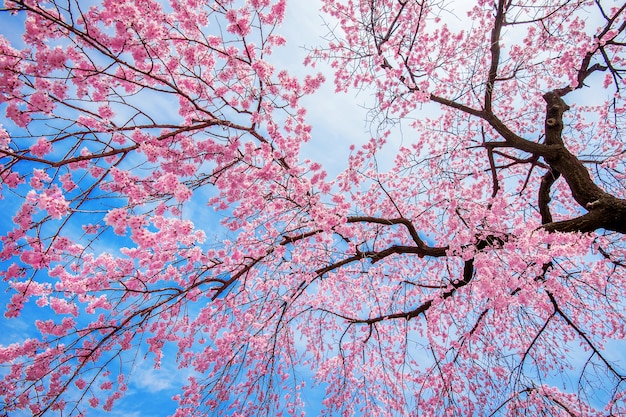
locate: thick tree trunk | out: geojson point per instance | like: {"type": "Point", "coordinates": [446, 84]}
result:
{"type": "Point", "coordinates": [605, 211]}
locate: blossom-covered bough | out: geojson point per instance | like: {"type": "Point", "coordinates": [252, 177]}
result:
{"type": "Point", "coordinates": [482, 274]}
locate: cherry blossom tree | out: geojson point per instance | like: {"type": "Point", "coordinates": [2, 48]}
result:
{"type": "Point", "coordinates": [483, 273]}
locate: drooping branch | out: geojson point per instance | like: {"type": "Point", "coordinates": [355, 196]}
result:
{"type": "Point", "coordinates": [468, 273]}
{"type": "Point", "coordinates": [544, 195]}
{"type": "Point", "coordinates": [559, 311]}
{"type": "Point", "coordinates": [422, 248]}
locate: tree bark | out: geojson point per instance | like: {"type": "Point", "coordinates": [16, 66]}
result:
{"type": "Point", "coordinates": [605, 211]}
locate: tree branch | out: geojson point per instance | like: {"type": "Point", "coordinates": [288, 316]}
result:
{"type": "Point", "coordinates": [422, 247]}
{"type": "Point", "coordinates": [544, 195]}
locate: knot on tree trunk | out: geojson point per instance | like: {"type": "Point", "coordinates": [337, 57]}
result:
{"type": "Point", "coordinates": [555, 107]}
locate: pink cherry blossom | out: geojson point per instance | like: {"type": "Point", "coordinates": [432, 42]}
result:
{"type": "Point", "coordinates": [174, 193]}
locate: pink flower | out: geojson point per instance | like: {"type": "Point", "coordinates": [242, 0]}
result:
{"type": "Point", "coordinates": [5, 139]}
{"type": "Point", "coordinates": [80, 383]}
{"type": "Point", "coordinates": [105, 112]}
{"type": "Point", "coordinates": [21, 118]}
{"type": "Point", "coordinates": [39, 178]}
{"type": "Point", "coordinates": [41, 148]}
{"type": "Point", "coordinates": [53, 201]}
{"type": "Point", "coordinates": [11, 179]}
{"type": "Point", "coordinates": [40, 102]}
{"type": "Point", "coordinates": [62, 306]}
{"type": "Point", "coordinates": [68, 183]}
{"type": "Point", "coordinates": [118, 219]}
